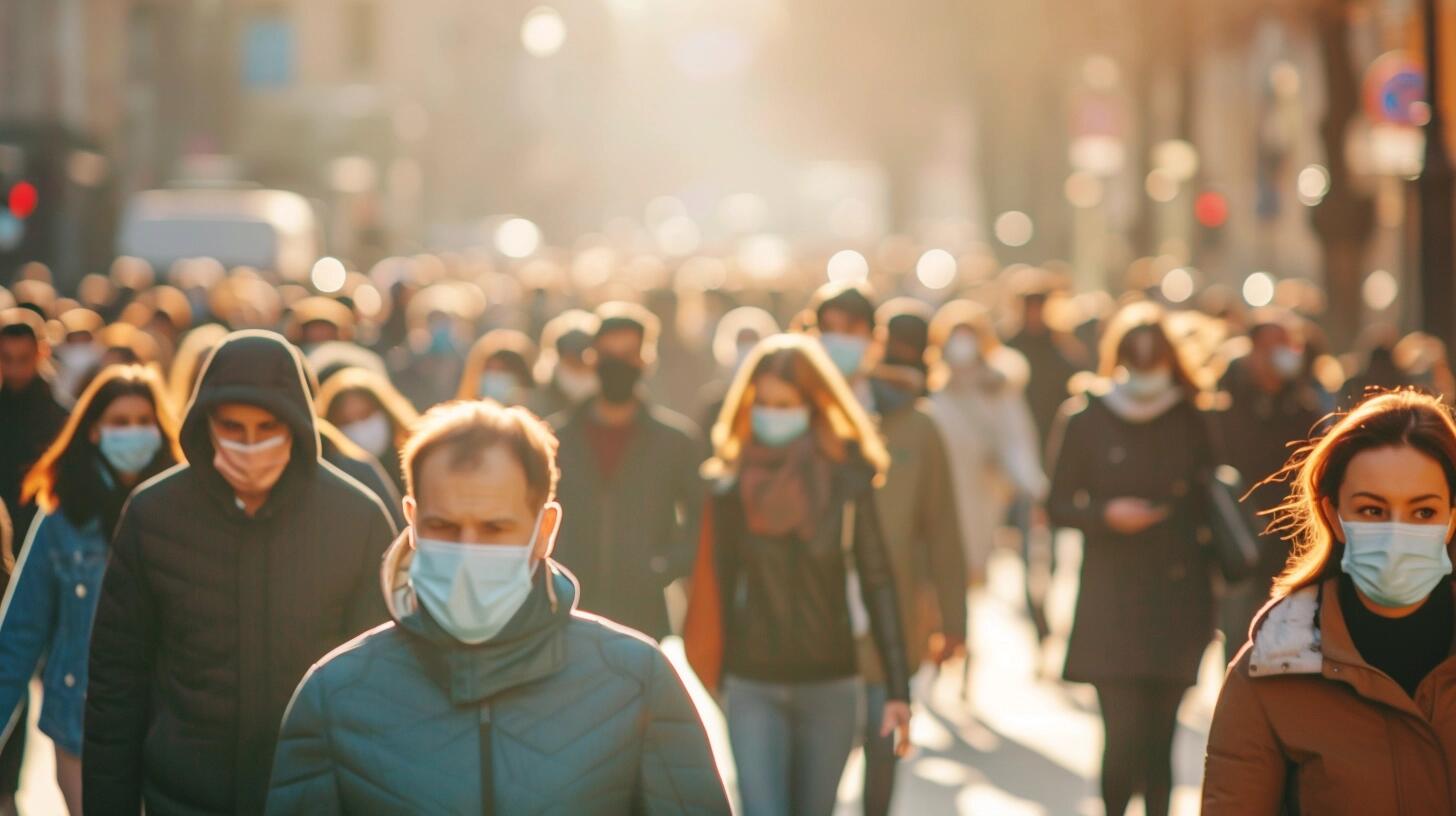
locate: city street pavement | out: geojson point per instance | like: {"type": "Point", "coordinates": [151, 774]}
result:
{"type": "Point", "coordinates": [1019, 745]}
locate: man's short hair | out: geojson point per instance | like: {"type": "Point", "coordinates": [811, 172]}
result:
{"type": "Point", "coordinates": [618, 315]}
{"type": "Point", "coordinates": [907, 320]}
{"type": "Point", "coordinates": [466, 429]}
{"type": "Point", "coordinates": [854, 298]}
{"type": "Point", "coordinates": [19, 321]}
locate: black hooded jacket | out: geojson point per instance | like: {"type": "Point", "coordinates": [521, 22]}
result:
{"type": "Point", "coordinates": [208, 618]}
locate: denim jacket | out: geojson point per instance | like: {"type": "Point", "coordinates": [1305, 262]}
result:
{"type": "Point", "coordinates": [46, 616]}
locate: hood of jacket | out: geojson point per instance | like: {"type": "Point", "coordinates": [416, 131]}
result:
{"type": "Point", "coordinates": [255, 368]}
{"type": "Point", "coordinates": [532, 645]}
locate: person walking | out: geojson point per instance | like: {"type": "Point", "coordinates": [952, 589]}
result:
{"type": "Point", "coordinates": [228, 578]}
{"type": "Point", "coordinates": [629, 482]}
{"type": "Point", "coordinates": [792, 534]}
{"type": "Point", "coordinates": [564, 376]}
{"type": "Point", "coordinates": [120, 434]}
{"type": "Point", "coordinates": [1129, 460]}
{"type": "Point", "coordinates": [500, 366]}
{"type": "Point", "coordinates": [371, 413]}
{"type": "Point", "coordinates": [389, 722]}
{"type": "Point", "coordinates": [1343, 699]}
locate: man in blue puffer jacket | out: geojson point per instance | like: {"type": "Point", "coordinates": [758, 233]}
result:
{"type": "Point", "coordinates": [489, 692]}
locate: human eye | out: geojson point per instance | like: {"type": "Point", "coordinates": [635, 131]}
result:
{"type": "Point", "coordinates": [1370, 511]}
{"type": "Point", "coordinates": [1425, 513]}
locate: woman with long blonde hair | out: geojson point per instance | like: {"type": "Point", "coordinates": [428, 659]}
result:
{"type": "Point", "coordinates": [792, 565]}
{"type": "Point", "coordinates": [1344, 698]}
{"type": "Point", "coordinates": [120, 434]}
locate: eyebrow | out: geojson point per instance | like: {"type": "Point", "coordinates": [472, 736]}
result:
{"type": "Point", "coordinates": [1383, 500]}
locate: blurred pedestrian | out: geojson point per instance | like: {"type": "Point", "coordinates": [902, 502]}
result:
{"type": "Point", "coordinates": [564, 376]}
{"type": "Point", "coordinates": [1129, 460]}
{"type": "Point", "coordinates": [1344, 698]}
{"type": "Point", "coordinates": [500, 367]}
{"type": "Point", "coordinates": [30, 415]}
{"type": "Point", "coordinates": [1053, 355]}
{"type": "Point", "coordinates": [991, 440]}
{"type": "Point", "coordinates": [734, 338]}
{"type": "Point", "coordinates": [1270, 405]}
{"type": "Point", "coordinates": [228, 578]}
{"type": "Point", "coordinates": [120, 434]}
{"type": "Point", "coordinates": [1379, 370]}
{"type": "Point", "coordinates": [793, 536]}
{"type": "Point", "coordinates": [368, 410]}
{"type": "Point", "coordinates": [629, 481]}
{"type": "Point", "coordinates": [471, 584]}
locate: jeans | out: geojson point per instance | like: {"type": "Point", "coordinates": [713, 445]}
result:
{"type": "Point", "coordinates": [790, 742]}
{"type": "Point", "coordinates": [880, 759]}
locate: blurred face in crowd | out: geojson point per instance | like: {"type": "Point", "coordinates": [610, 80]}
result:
{"type": "Point", "coordinates": [19, 358]}
{"type": "Point", "coordinates": [1033, 314]}
{"type": "Point", "coordinates": [772, 391]}
{"type": "Point", "coordinates": [619, 364]}
{"type": "Point", "coordinates": [252, 448]}
{"type": "Point", "coordinates": [247, 424]}
{"type": "Point", "coordinates": [352, 406]}
{"type": "Point", "coordinates": [318, 331]}
{"type": "Point", "coordinates": [1275, 351]}
{"type": "Point", "coordinates": [489, 502]}
{"type": "Point", "coordinates": [126, 411]}
{"type": "Point", "coordinates": [839, 321]}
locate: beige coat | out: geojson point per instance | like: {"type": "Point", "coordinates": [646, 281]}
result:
{"type": "Point", "coordinates": [1303, 721]}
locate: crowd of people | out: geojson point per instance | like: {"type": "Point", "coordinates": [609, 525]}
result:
{"type": "Point", "coordinates": [411, 545]}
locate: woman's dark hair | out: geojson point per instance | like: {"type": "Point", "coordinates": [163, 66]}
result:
{"type": "Point", "coordinates": [1393, 419]}
{"type": "Point", "coordinates": [1122, 343]}
{"type": "Point", "coordinates": [69, 476]}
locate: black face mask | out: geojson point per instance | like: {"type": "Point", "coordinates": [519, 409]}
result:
{"type": "Point", "coordinates": [618, 378]}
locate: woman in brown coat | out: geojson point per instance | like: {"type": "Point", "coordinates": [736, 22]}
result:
{"type": "Point", "coordinates": [1344, 699]}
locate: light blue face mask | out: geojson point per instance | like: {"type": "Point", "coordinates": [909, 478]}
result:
{"type": "Point", "coordinates": [128, 450]}
{"type": "Point", "coordinates": [846, 351]}
{"type": "Point", "coordinates": [776, 427]}
{"type": "Point", "coordinates": [473, 590]}
{"type": "Point", "coordinates": [1395, 564]}
{"type": "Point", "coordinates": [498, 385]}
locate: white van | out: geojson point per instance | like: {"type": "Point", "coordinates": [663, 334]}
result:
{"type": "Point", "coordinates": [268, 229]}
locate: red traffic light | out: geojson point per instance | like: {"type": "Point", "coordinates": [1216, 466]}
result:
{"type": "Point", "coordinates": [1211, 209]}
{"type": "Point", "coordinates": [22, 199]}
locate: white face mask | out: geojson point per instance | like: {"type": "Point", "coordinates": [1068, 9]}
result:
{"type": "Point", "coordinates": [1287, 362]}
{"type": "Point", "coordinates": [373, 433]}
{"type": "Point", "coordinates": [576, 385]}
{"type": "Point", "coordinates": [473, 590]}
{"type": "Point", "coordinates": [1146, 385]}
{"type": "Point", "coordinates": [961, 350]}
{"type": "Point", "coordinates": [1395, 564]}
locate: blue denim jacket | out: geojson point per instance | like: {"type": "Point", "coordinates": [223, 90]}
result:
{"type": "Point", "coordinates": [46, 615]}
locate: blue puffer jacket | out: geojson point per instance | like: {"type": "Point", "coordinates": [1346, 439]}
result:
{"type": "Point", "coordinates": [561, 712]}
{"type": "Point", "coordinates": [47, 614]}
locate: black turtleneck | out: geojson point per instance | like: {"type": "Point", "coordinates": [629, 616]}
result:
{"type": "Point", "coordinates": [1405, 648]}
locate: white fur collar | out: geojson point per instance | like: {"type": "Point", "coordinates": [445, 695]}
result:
{"type": "Point", "coordinates": [1288, 637]}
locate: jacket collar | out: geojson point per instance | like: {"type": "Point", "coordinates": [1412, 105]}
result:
{"type": "Point", "coordinates": [530, 648]}
{"type": "Point", "coordinates": [1305, 633]}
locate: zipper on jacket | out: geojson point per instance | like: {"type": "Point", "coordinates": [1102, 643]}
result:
{"type": "Point", "coordinates": [487, 774]}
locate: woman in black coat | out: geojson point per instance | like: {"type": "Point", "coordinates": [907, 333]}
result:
{"type": "Point", "coordinates": [1127, 462]}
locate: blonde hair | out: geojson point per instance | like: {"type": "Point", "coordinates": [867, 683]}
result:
{"type": "Point", "coordinates": [402, 415]}
{"type": "Point", "coordinates": [838, 418]}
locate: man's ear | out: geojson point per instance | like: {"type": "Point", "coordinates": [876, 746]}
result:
{"type": "Point", "coordinates": [550, 526]}
{"type": "Point", "coordinates": [409, 513]}
{"type": "Point", "coordinates": [1332, 518]}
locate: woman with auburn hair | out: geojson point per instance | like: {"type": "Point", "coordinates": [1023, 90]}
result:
{"type": "Point", "coordinates": [1128, 463]}
{"type": "Point", "coordinates": [365, 406]}
{"type": "Point", "coordinates": [791, 557]}
{"type": "Point", "coordinates": [120, 434]}
{"type": "Point", "coordinates": [1344, 698]}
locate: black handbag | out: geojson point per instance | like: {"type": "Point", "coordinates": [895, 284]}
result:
{"type": "Point", "coordinates": [1231, 530]}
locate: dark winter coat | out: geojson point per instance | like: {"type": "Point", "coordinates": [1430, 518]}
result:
{"type": "Point", "coordinates": [786, 612]}
{"type": "Point", "coordinates": [1145, 607]}
{"type": "Point", "coordinates": [628, 536]}
{"type": "Point", "coordinates": [208, 618]}
{"type": "Point", "coordinates": [559, 713]}
{"type": "Point", "coordinates": [30, 419]}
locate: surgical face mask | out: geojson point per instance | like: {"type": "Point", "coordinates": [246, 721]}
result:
{"type": "Point", "coordinates": [618, 379]}
{"type": "Point", "coordinates": [255, 468]}
{"type": "Point", "coordinates": [1148, 384]}
{"type": "Point", "coordinates": [77, 358]}
{"type": "Point", "coordinates": [373, 433]}
{"type": "Point", "coordinates": [776, 427]}
{"type": "Point", "coordinates": [473, 590]}
{"type": "Point", "coordinates": [961, 350]}
{"type": "Point", "coordinates": [1287, 362]}
{"type": "Point", "coordinates": [497, 385]}
{"type": "Point", "coordinates": [576, 385]}
{"type": "Point", "coordinates": [128, 450]}
{"type": "Point", "coordinates": [846, 351]}
{"type": "Point", "coordinates": [1395, 564]}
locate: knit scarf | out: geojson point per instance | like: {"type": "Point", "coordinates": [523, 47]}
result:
{"type": "Point", "coordinates": [785, 490]}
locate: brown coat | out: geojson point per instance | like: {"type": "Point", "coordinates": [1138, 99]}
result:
{"type": "Point", "coordinates": [1304, 723]}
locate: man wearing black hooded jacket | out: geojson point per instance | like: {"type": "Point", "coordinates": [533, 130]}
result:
{"type": "Point", "coordinates": [229, 576]}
